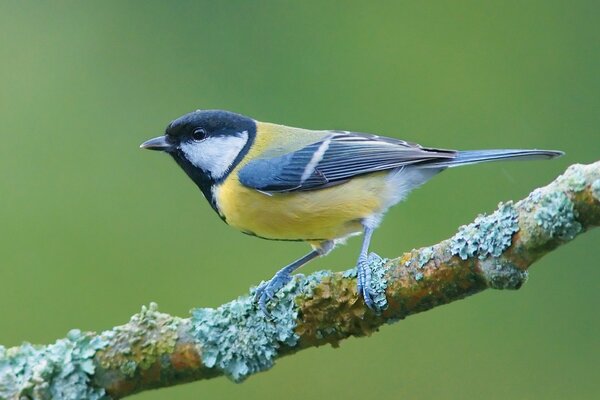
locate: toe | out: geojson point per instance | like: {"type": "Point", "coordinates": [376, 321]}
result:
{"type": "Point", "coordinates": [368, 298]}
{"type": "Point", "coordinates": [363, 284]}
{"type": "Point", "coordinates": [259, 291]}
{"type": "Point", "coordinates": [262, 304]}
{"type": "Point", "coordinates": [360, 278]}
{"type": "Point", "coordinates": [266, 291]}
{"type": "Point", "coordinates": [268, 294]}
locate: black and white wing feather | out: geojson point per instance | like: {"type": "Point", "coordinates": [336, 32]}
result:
{"type": "Point", "coordinates": [334, 159]}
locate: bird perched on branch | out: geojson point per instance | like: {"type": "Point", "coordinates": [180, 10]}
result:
{"type": "Point", "coordinates": [318, 186]}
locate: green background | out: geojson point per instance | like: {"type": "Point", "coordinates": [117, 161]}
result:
{"type": "Point", "coordinates": [92, 227]}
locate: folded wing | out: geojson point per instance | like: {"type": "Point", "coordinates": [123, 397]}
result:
{"type": "Point", "coordinates": [334, 159]}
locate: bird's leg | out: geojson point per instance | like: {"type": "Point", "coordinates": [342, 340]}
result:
{"type": "Point", "coordinates": [363, 270]}
{"type": "Point", "coordinates": [267, 290]}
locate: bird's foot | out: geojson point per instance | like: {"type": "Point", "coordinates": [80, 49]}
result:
{"type": "Point", "coordinates": [364, 274]}
{"type": "Point", "coordinates": [266, 291]}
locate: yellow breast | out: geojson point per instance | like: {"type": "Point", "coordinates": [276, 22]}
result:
{"type": "Point", "coordinates": [324, 214]}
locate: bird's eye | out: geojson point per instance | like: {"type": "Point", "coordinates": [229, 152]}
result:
{"type": "Point", "coordinates": [199, 134]}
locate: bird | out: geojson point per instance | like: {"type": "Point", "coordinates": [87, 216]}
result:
{"type": "Point", "coordinates": [316, 186]}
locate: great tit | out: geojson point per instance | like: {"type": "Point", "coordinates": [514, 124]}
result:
{"type": "Point", "coordinates": [317, 186]}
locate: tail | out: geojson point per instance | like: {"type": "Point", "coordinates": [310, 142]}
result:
{"type": "Point", "coordinates": [476, 156]}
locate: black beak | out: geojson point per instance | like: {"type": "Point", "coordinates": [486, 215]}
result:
{"type": "Point", "coordinates": [157, 143]}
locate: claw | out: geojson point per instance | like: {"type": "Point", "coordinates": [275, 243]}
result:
{"type": "Point", "coordinates": [363, 284]}
{"type": "Point", "coordinates": [266, 291]}
{"type": "Point", "coordinates": [360, 278]}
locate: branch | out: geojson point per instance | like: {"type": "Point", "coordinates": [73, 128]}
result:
{"type": "Point", "coordinates": [156, 350]}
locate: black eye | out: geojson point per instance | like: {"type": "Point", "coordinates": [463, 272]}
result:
{"type": "Point", "coordinates": [199, 134]}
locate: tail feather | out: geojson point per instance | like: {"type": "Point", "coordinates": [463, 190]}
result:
{"type": "Point", "coordinates": [476, 156]}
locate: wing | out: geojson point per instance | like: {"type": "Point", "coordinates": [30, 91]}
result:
{"type": "Point", "coordinates": [334, 159]}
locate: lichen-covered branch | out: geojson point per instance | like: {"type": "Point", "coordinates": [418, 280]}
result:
{"type": "Point", "coordinates": [156, 350]}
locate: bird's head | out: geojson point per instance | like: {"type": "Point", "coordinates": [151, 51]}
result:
{"type": "Point", "coordinates": [207, 144]}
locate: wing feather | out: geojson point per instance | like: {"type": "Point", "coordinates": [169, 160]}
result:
{"type": "Point", "coordinates": [335, 158]}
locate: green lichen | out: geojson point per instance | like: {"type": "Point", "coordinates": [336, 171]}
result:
{"type": "Point", "coordinates": [487, 235]}
{"type": "Point", "coordinates": [424, 256]}
{"type": "Point", "coordinates": [333, 312]}
{"type": "Point", "coordinates": [240, 340]}
{"type": "Point", "coordinates": [58, 371]}
{"type": "Point", "coordinates": [350, 273]}
{"type": "Point", "coordinates": [531, 201]}
{"type": "Point", "coordinates": [557, 216]}
{"type": "Point", "coordinates": [574, 177]}
{"type": "Point", "coordinates": [128, 368]}
{"type": "Point", "coordinates": [378, 281]}
{"type": "Point", "coordinates": [501, 274]}
{"type": "Point", "coordinates": [596, 189]}
{"type": "Point", "coordinates": [139, 343]}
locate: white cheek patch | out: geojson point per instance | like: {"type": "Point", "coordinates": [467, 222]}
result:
{"type": "Point", "coordinates": [215, 155]}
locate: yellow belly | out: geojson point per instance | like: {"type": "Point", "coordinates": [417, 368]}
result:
{"type": "Point", "coordinates": [324, 214]}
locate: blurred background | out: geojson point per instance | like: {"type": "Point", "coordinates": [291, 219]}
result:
{"type": "Point", "coordinates": [92, 227]}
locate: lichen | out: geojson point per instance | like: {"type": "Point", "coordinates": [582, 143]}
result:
{"type": "Point", "coordinates": [596, 189]}
{"type": "Point", "coordinates": [350, 273]}
{"type": "Point", "coordinates": [557, 216]}
{"type": "Point", "coordinates": [58, 371]}
{"type": "Point", "coordinates": [574, 177]}
{"type": "Point", "coordinates": [332, 312]}
{"type": "Point", "coordinates": [531, 201]}
{"type": "Point", "coordinates": [501, 274]}
{"type": "Point", "coordinates": [378, 281]}
{"type": "Point", "coordinates": [139, 343]}
{"type": "Point", "coordinates": [425, 255]}
{"type": "Point", "coordinates": [487, 235]}
{"type": "Point", "coordinates": [240, 340]}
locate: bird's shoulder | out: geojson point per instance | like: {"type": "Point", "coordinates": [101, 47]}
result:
{"type": "Point", "coordinates": [290, 159]}
{"type": "Point", "coordinates": [274, 140]}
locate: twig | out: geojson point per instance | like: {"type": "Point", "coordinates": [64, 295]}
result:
{"type": "Point", "coordinates": [156, 350]}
